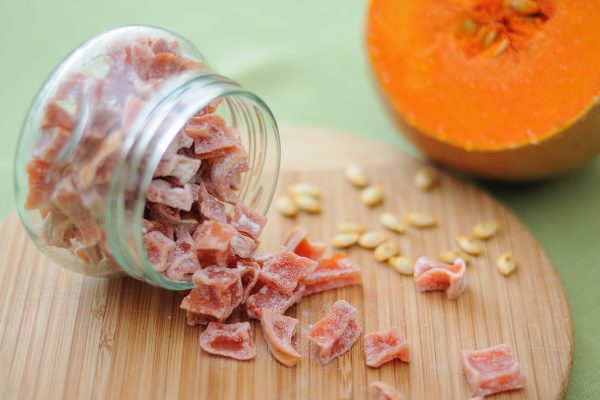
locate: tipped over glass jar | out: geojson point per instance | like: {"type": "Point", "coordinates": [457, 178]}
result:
{"type": "Point", "coordinates": [137, 158]}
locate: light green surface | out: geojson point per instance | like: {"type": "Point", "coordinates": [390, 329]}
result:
{"type": "Point", "coordinates": [306, 60]}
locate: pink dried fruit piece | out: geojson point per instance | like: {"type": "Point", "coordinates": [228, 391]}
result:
{"type": "Point", "coordinates": [57, 116]}
{"type": "Point", "coordinates": [285, 269]}
{"type": "Point", "coordinates": [278, 331]}
{"type": "Point", "coordinates": [335, 272]}
{"type": "Point", "coordinates": [210, 207]}
{"type": "Point", "coordinates": [249, 271]}
{"type": "Point", "coordinates": [218, 291]}
{"type": "Point", "coordinates": [229, 340]}
{"type": "Point", "coordinates": [268, 298]}
{"type": "Point", "coordinates": [226, 174]}
{"type": "Point", "coordinates": [180, 169]}
{"type": "Point", "coordinates": [158, 249]}
{"type": "Point", "coordinates": [163, 192]}
{"type": "Point", "coordinates": [213, 243]}
{"type": "Point", "coordinates": [433, 275]}
{"type": "Point", "coordinates": [298, 242]}
{"type": "Point", "coordinates": [492, 370]}
{"type": "Point", "coordinates": [248, 221]}
{"type": "Point", "coordinates": [210, 134]}
{"type": "Point", "coordinates": [336, 332]}
{"type": "Point", "coordinates": [385, 391]}
{"type": "Point", "coordinates": [383, 347]}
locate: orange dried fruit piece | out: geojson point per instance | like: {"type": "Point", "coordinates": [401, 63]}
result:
{"type": "Point", "coordinates": [383, 347]}
{"type": "Point", "coordinates": [229, 340]}
{"type": "Point", "coordinates": [278, 331]}
{"type": "Point", "coordinates": [331, 273]}
{"type": "Point", "coordinates": [433, 275]}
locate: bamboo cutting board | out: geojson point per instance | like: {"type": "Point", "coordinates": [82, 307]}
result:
{"type": "Point", "coordinates": [63, 335]}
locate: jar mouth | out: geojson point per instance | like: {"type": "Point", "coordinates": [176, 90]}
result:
{"type": "Point", "coordinates": [155, 128]}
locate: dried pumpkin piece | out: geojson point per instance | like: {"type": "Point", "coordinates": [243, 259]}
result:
{"type": "Point", "coordinates": [164, 65]}
{"type": "Point", "coordinates": [36, 181]}
{"type": "Point", "coordinates": [383, 347]}
{"type": "Point", "coordinates": [278, 331]}
{"type": "Point", "coordinates": [67, 198]}
{"type": "Point", "coordinates": [158, 249]}
{"type": "Point", "coordinates": [298, 241]}
{"type": "Point", "coordinates": [335, 333]}
{"type": "Point", "coordinates": [229, 340]}
{"type": "Point", "coordinates": [217, 291]}
{"type": "Point", "coordinates": [433, 275]}
{"type": "Point", "coordinates": [285, 270]}
{"type": "Point", "coordinates": [163, 192]}
{"type": "Point", "coordinates": [332, 273]}
{"type": "Point", "coordinates": [248, 221]}
{"type": "Point", "coordinates": [164, 214]}
{"type": "Point", "coordinates": [50, 143]}
{"type": "Point", "coordinates": [183, 261]}
{"type": "Point", "coordinates": [210, 207]}
{"type": "Point", "coordinates": [57, 116]}
{"type": "Point", "coordinates": [249, 271]}
{"type": "Point", "coordinates": [180, 168]}
{"type": "Point", "coordinates": [226, 173]}
{"type": "Point", "coordinates": [213, 243]}
{"type": "Point", "coordinates": [210, 134]}
{"type": "Point", "coordinates": [492, 370]}
{"type": "Point", "coordinates": [269, 298]}
{"type": "Point", "coordinates": [385, 391]}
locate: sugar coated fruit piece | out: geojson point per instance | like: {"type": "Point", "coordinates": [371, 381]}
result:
{"type": "Point", "coordinates": [285, 269]}
{"type": "Point", "coordinates": [278, 331]}
{"type": "Point", "coordinates": [335, 333]}
{"type": "Point", "coordinates": [431, 275]}
{"type": "Point", "coordinates": [382, 347]}
{"type": "Point", "coordinates": [492, 370]}
{"type": "Point", "coordinates": [218, 290]}
{"type": "Point", "coordinates": [229, 340]}
{"type": "Point", "coordinates": [332, 273]}
{"type": "Point", "coordinates": [269, 298]}
{"type": "Point", "coordinates": [298, 242]}
{"type": "Point", "coordinates": [385, 391]}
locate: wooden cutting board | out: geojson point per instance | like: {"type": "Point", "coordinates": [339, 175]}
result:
{"type": "Point", "coordinates": [63, 335]}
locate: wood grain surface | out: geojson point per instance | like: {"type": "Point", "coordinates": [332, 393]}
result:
{"type": "Point", "coordinates": [68, 336]}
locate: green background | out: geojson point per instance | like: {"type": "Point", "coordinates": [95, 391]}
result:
{"type": "Point", "coordinates": [306, 59]}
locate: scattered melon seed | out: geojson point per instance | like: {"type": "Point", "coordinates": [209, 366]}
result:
{"type": "Point", "coordinates": [392, 222]}
{"type": "Point", "coordinates": [469, 26]}
{"type": "Point", "coordinates": [343, 240]}
{"type": "Point", "coordinates": [420, 220]}
{"type": "Point", "coordinates": [351, 227]}
{"type": "Point", "coordinates": [499, 47]}
{"type": "Point", "coordinates": [305, 189]}
{"type": "Point", "coordinates": [426, 178]}
{"type": "Point", "coordinates": [286, 205]}
{"type": "Point", "coordinates": [372, 239]}
{"type": "Point", "coordinates": [372, 196]}
{"type": "Point", "coordinates": [525, 7]}
{"type": "Point", "coordinates": [506, 263]}
{"type": "Point", "coordinates": [308, 203]}
{"type": "Point", "coordinates": [385, 251]}
{"type": "Point", "coordinates": [404, 265]}
{"type": "Point", "coordinates": [357, 175]}
{"type": "Point", "coordinates": [468, 245]}
{"type": "Point", "coordinates": [485, 229]}
{"type": "Point", "coordinates": [449, 256]}
{"type": "Point", "coordinates": [489, 38]}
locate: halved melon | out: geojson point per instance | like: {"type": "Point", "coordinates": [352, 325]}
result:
{"type": "Point", "coordinates": [506, 89]}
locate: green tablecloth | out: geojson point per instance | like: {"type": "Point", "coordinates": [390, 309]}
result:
{"type": "Point", "coordinates": [306, 59]}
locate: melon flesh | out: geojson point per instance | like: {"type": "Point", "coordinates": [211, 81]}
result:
{"type": "Point", "coordinates": [477, 84]}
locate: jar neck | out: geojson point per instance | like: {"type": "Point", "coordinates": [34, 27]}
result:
{"type": "Point", "coordinates": [154, 129]}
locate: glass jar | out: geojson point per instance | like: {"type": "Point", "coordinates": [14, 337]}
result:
{"type": "Point", "coordinates": [105, 118]}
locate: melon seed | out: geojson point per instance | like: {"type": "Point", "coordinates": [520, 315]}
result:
{"type": "Point", "coordinates": [468, 245]}
{"type": "Point", "coordinates": [385, 251]}
{"type": "Point", "coordinates": [506, 263]}
{"type": "Point", "coordinates": [404, 265]}
{"type": "Point", "coordinates": [286, 205]}
{"type": "Point", "coordinates": [372, 196]}
{"type": "Point", "coordinates": [372, 239]}
{"type": "Point", "coordinates": [343, 240]}
{"type": "Point", "coordinates": [357, 175]}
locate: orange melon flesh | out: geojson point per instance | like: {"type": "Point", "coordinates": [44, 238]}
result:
{"type": "Point", "coordinates": [448, 77]}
